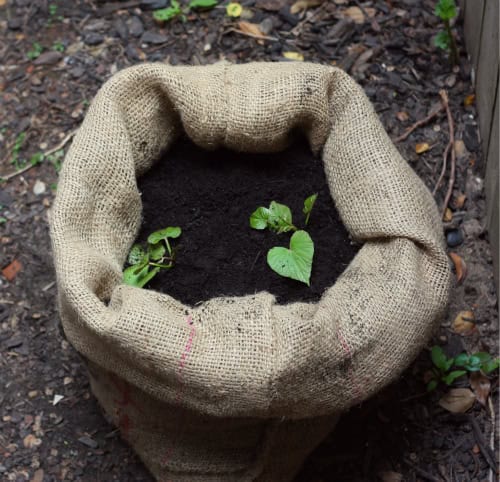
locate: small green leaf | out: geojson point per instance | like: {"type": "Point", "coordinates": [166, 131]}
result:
{"type": "Point", "coordinates": [446, 9]}
{"type": "Point", "coordinates": [452, 376]}
{"type": "Point", "coordinates": [483, 356]}
{"type": "Point", "coordinates": [194, 4]}
{"type": "Point", "coordinates": [308, 206]}
{"type": "Point", "coordinates": [462, 360]}
{"type": "Point", "coordinates": [170, 232]}
{"type": "Point", "coordinates": [442, 40]}
{"type": "Point", "coordinates": [491, 366]}
{"type": "Point", "coordinates": [37, 158]}
{"type": "Point", "coordinates": [3, 220]}
{"type": "Point", "coordinates": [136, 254]}
{"type": "Point", "coordinates": [432, 385]}
{"type": "Point", "coordinates": [259, 218]}
{"type": "Point", "coordinates": [156, 251]}
{"type": "Point", "coordinates": [139, 279]}
{"type": "Point", "coordinates": [474, 361]}
{"type": "Point", "coordinates": [295, 262]}
{"type": "Point", "coordinates": [449, 364]}
{"type": "Point", "coordinates": [438, 357]}
{"type": "Point", "coordinates": [166, 14]}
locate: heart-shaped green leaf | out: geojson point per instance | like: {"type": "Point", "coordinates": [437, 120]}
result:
{"type": "Point", "coordinates": [136, 254]}
{"type": "Point", "coordinates": [259, 218]}
{"type": "Point", "coordinates": [295, 262]}
{"type": "Point", "coordinates": [156, 251]}
{"type": "Point", "coordinates": [170, 232]}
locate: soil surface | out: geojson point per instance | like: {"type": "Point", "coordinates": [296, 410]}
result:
{"type": "Point", "coordinates": [211, 195]}
{"type": "Point", "coordinates": [54, 56]}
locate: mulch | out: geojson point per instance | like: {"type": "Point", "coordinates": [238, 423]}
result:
{"type": "Point", "coordinates": [386, 45]}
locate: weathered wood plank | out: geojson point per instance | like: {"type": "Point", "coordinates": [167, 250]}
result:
{"type": "Point", "coordinates": [487, 70]}
{"type": "Point", "coordinates": [492, 187]}
{"type": "Point", "coordinates": [472, 27]}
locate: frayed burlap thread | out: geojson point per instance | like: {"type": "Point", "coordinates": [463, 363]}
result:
{"type": "Point", "coordinates": [241, 388]}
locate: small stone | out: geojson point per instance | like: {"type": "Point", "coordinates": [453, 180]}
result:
{"type": "Point", "coordinates": [48, 58]}
{"type": "Point", "coordinates": [89, 442]}
{"type": "Point", "coordinates": [14, 342]}
{"type": "Point", "coordinates": [472, 228]}
{"type": "Point", "coordinates": [135, 27]}
{"type": "Point", "coordinates": [153, 38]}
{"type": "Point", "coordinates": [266, 26]}
{"type": "Point", "coordinates": [76, 72]}
{"type": "Point", "coordinates": [153, 4]}
{"type": "Point", "coordinates": [32, 393]}
{"type": "Point", "coordinates": [93, 38]}
{"type": "Point", "coordinates": [15, 23]}
{"type": "Point", "coordinates": [454, 238]}
{"type": "Point", "coordinates": [121, 28]}
{"type": "Point", "coordinates": [39, 187]}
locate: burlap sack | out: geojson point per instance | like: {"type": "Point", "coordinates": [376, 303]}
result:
{"type": "Point", "coordinates": [241, 388]}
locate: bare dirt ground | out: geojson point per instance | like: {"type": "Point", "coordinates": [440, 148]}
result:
{"type": "Point", "coordinates": [55, 56]}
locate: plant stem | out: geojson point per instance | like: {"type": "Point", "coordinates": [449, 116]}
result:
{"type": "Point", "coordinates": [157, 265]}
{"type": "Point", "coordinates": [169, 249]}
{"type": "Point", "coordinates": [453, 45]}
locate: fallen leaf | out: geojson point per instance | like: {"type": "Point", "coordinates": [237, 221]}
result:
{"type": "Point", "coordinates": [460, 201]}
{"type": "Point", "coordinates": [38, 476]}
{"type": "Point", "coordinates": [390, 476]}
{"type": "Point", "coordinates": [458, 400]}
{"type": "Point", "coordinates": [31, 441]}
{"type": "Point", "coordinates": [448, 215]}
{"type": "Point", "coordinates": [476, 449]}
{"type": "Point", "coordinates": [293, 56]}
{"type": "Point", "coordinates": [402, 116]}
{"type": "Point", "coordinates": [3, 3]}
{"type": "Point", "coordinates": [234, 9]}
{"type": "Point", "coordinates": [57, 399]}
{"type": "Point", "coordinates": [12, 269]}
{"type": "Point", "coordinates": [460, 149]}
{"type": "Point", "coordinates": [464, 323]}
{"type": "Point", "coordinates": [251, 28]}
{"type": "Point", "coordinates": [422, 147]}
{"type": "Point", "coordinates": [481, 386]}
{"type": "Point", "coordinates": [469, 100]}
{"type": "Point", "coordinates": [460, 267]}
{"type": "Point", "coordinates": [304, 5]}
{"type": "Point", "coordinates": [356, 14]}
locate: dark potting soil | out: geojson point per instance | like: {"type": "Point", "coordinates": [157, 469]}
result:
{"type": "Point", "coordinates": [211, 196]}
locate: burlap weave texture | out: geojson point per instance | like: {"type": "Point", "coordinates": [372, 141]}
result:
{"type": "Point", "coordinates": [241, 366]}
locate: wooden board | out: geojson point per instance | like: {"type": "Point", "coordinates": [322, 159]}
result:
{"type": "Point", "coordinates": [472, 27]}
{"type": "Point", "coordinates": [487, 70]}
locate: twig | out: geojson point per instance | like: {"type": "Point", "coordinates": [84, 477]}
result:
{"type": "Point", "coordinates": [46, 153]}
{"type": "Point", "coordinates": [423, 473]}
{"type": "Point", "coordinates": [443, 169]}
{"type": "Point", "coordinates": [492, 434]}
{"type": "Point", "coordinates": [248, 34]}
{"type": "Point", "coordinates": [418, 124]}
{"type": "Point", "coordinates": [451, 128]}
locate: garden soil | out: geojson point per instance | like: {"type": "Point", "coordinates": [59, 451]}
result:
{"type": "Point", "coordinates": [211, 194]}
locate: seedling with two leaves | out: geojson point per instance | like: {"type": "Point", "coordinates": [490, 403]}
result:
{"type": "Point", "coordinates": [442, 369]}
{"type": "Point", "coordinates": [294, 262]}
{"type": "Point", "coordinates": [175, 10]}
{"type": "Point", "coordinates": [446, 10]}
{"type": "Point", "coordinates": [145, 264]}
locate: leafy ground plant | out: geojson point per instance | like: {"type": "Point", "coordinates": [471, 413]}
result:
{"type": "Point", "coordinates": [36, 50]}
{"type": "Point", "coordinates": [294, 262]}
{"type": "Point", "coordinates": [443, 372]}
{"type": "Point", "coordinates": [146, 263]}
{"type": "Point", "coordinates": [175, 10]}
{"type": "Point", "coordinates": [446, 10]}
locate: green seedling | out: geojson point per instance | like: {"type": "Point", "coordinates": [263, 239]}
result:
{"type": "Point", "coordinates": [37, 158]}
{"type": "Point", "coordinates": [3, 219]}
{"type": "Point", "coordinates": [175, 10]}
{"type": "Point", "coordinates": [36, 50]}
{"type": "Point", "coordinates": [442, 369]}
{"type": "Point", "coordinates": [294, 262]}
{"type": "Point", "coordinates": [446, 10]}
{"type": "Point", "coordinates": [56, 159]}
{"type": "Point", "coordinates": [58, 46]}
{"type": "Point", "coordinates": [145, 264]}
{"type": "Point", "coordinates": [16, 149]}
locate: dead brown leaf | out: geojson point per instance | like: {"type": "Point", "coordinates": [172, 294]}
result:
{"type": "Point", "coordinates": [481, 386]}
{"type": "Point", "coordinates": [460, 267]}
{"type": "Point", "coordinates": [11, 270]}
{"type": "Point", "coordinates": [460, 201]}
{"type": "Point", "coordinates": [390, 476]}
{"type": "Point", "coordinates": [464, 323]}
{"type": "Point", "coordinates": [251, 28]}
{"type": "Point", "coordinates": [3, 3]}
{"type": "Point", "coordinates": [458, 400]}
{"type": "Point", "coordinates": [469, 100]}
{"type": "Point", "coordinates": [460, 149]}
{"type": "Point", "coordinates": [38, 476]}
{"type": "Point", "coordinates": [301, 5]}
{"type": "Point", "coordinates": [402, 116]}
{"type": "Point", "coordinates": [448, 215]}
{"type": "Point", "coordinates": [422, 147]}
{"type": "Point", "coordinates": [355, 14]}
{"type": "Point", "coordinates": [31, 441]}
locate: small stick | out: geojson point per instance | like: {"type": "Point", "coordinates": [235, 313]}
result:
{"type": "Point", "coordinates": [258, 37]}
{"type": "Point", "coordinates": [492, 434]}
{"type": "Point", "coordinates": [443, 169]}
{"type": "Point", "coordinates": [418, 124]}
{"type": "Point", "coordinates": [451, 128]}
{"type": "Point", "coordinates": [47, 153]}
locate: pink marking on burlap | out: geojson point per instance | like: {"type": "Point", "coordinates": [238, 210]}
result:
{"type": "Point", "coordinates": [180, 389]}
{"type": "Point", "coordinates": [350, 371]}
